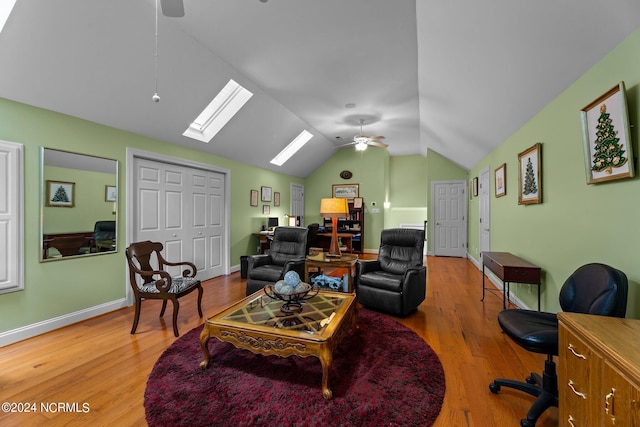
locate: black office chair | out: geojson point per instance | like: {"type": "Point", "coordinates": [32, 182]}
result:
{"type": "Point", "coordinates": [312, 235]}
{"type": "Point", "coordinates": [104, 234]}
{"type": "Point", "coordinates": [592, 289]}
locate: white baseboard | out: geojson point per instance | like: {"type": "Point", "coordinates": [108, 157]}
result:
{"type": "Point", "coordinates": [29, 331]}
{"type": "Point", "coordinates": [234, 268]}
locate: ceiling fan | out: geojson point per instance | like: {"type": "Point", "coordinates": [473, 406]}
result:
{"type": "Point", "coordinates": [172, 8]}
{"type": "Point", "coordinates": [361, 142]}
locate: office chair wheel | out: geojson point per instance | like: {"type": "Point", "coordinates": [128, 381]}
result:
{"type": "Point", "coordinates": [495, 388]}
{"type": "Point", "coordinates": [526, 423]}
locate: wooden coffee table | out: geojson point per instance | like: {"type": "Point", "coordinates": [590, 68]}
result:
{"type": "Point", "coordinates": [257, 324]}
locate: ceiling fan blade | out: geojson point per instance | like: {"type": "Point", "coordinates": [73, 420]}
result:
{"type": "Point", "coordinates": [172, 8]}
{"type": "Point", "coordinates": [350, 144]}
{"type": "Point", "coordinates": [378, 144]}
{"type": "Point", "coordinates": [376, 137]}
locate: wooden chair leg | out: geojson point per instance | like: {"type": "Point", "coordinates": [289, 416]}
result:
{"type": "Point", "coordinates": [136, 316]}
{"type": "Point", "coordinates": [200, 300]}
{"type": "Point", "coordinates": [176, 306]}
{"type": "Point", "coordinates": [164, 307]}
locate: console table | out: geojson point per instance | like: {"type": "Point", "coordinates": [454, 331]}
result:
{"type": "Point", "coordinates": [510, 268]}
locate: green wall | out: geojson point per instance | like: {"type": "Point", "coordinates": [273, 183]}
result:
{"type": "Point", "coordinates": [370, 170]}
{"type": "Point", "coordinates": [576, 223]}
{"type": "Point", "coordinates": [58, 288]}
{"type": "Point", "coordinates": [89, 201]}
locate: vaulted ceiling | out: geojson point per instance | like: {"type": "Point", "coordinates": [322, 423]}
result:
{"type": "Point", "coordinates": [455, 76]}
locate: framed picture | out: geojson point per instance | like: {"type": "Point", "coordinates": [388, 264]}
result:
{"type": "Point", "coordinates": [61, 194]}
{"type": "Point", "coordinates": [276, 199]}
{"type": "Point", "coordinates": [253, 199]}
{"type": "Point", "coordinates": [266, 209]}
{"type": "Point", "coordinates": [605, 131]}
{"type": "Point", "coordinates": [357, 203]}
{"type": "Point", "coordinates": [345, 191]}
{"type": "Point", "coordinates": [110, 193]}
{"type": "Point", "coordinates": [530, 176]}
{"type": "Point", "coordinates": [266, 194]}
{"type": "Point", "coordinates": [475, 187]}
{"type": "Point", "coordinates": [500, 177]}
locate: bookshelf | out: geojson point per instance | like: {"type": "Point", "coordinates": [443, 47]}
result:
{"type": "Point", "coordinates": [353, 225]}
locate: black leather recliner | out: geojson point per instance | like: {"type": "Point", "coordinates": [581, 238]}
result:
{"type": "Point", "coordinates": [592, 289]}
{"type": "Point", "coordinates": [396, 282]}
{"type": "Point", "coordinates": [104, 234]}
{"type": "Point", "coordinates": [287, 253]}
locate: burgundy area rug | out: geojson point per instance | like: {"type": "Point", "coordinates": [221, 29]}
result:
{"type": "Point", "coordinates": [383, 374]}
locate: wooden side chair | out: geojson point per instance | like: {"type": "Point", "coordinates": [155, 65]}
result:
{"type": "Point", "coordinates": [155, 283]}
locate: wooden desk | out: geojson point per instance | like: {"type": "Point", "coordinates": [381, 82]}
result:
{"type": "Point", "coordinates": [263, 242]}
{"type": "Point", "coordinates": [598, 370]}
{"type": "Point", "coordinates": [509, 268]}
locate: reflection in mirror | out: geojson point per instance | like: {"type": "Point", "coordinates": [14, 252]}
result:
{"type": "Point", "coordinates": [78, 205]}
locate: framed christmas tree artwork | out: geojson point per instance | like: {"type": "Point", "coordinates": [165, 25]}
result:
{"type": "Point", "coordinates": [60, 194]}
{"type": "Point", "coordinates": [530, 175]}
{"type": "Point", "coordinates": [605, 131]}
{"type": "Point", "coordinates": [500, 177]}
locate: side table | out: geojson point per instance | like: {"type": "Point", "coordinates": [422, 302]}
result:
{"type": "Point", "coordinates": [510, 268]}
{"type": "Point", "coordinates": [321, 260]}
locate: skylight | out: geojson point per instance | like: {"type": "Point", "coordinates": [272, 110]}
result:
{"type": "Point", "coordinates": [219, 111]}
{"type": "Point", "coordinates": [292, 148]}
{"type": "Point", "coordinates": [6, 6]}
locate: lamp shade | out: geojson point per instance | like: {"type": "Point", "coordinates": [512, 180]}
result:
{"type": "Point", "coordinates": [334, 208]}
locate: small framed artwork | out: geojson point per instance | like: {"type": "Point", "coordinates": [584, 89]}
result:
{"type": "Point", "coordinates": [500, 176]}
{"type": "Point", "coordinates": [253, 198]}
{"type": "Point", "coordinates": [265, 194]}
{"type": "Point", "coordinates": [276, 199]}
{"type": "Point", "coordinates": [605, 133]}
{"type": "Point", "coordinates": [357, 203]}
{"type": "Point", "coordinates": [266, 209]}
{"type": "Point", "coordinates": [345, 191]}
{"type": "Point", "coordinates": [530, 175]}
{"type": "Point", "coordinates": [110, 193]}
{"type": "Point", "coordinates": [475, 187]}
{"type": "Point", "coordinates": [61, 194]}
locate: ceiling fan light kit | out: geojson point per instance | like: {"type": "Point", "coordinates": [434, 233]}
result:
{"type": "Point", "coordinates": [361, 142]}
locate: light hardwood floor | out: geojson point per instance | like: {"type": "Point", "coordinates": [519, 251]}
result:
{"type": "Point", "coordinates": [99, 363]}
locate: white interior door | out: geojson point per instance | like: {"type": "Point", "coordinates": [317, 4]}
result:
{"type": "Point", "coordinates": [449, 207]}
{"type": "Point", "coordinates": [297, 202]}
{"type": "Point", "coordinates": [184, 208]}
{"type": "Point", "coordinates": [485, 215]}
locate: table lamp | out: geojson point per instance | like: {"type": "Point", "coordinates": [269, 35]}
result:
{"type": "Point", "coordinates": [334, 209]}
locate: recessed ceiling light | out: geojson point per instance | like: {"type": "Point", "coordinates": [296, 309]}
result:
{"type": "Point", "coordinates": [350, 105]}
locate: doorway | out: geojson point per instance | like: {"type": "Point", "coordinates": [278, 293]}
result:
{"type": "Point", "coordinates": [449, 224]}
{"type": "Point", "coordinates": [297, 203]}
{"type": "Point", "coordinates": [484, 240]}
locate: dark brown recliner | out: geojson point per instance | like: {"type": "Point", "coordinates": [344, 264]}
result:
{"type": "Point", "coordinates": [396, 282]}
{"type": "Point", "coordinates": [148, 282]}
{"type": "Point", "coordinates": [287, 253]}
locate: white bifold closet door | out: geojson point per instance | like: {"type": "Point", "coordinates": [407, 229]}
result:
{"type": "Point", "coordinates": [183, 208]}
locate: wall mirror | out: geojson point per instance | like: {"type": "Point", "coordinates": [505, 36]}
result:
{"type": "Point", "coordinates": [78, 205]}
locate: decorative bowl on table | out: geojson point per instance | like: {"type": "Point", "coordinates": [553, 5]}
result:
{"type": "Point", "coordinates": [293, 296]}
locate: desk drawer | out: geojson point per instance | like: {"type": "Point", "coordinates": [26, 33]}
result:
{"type": "Point", "coordinates": [492, 265]}
{"type": "Point", "coordinates": [521, 274]}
